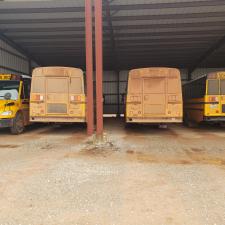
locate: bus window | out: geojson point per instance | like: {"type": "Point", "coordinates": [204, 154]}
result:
{"type": "Point", "coordinates": [76, 85]}
{"type": "Point", "coordinates": [222, 87]}
{"type": "Point", "coordinates": [174, 86]}
{"type": "Point", "coordinates": [26, 90]}
{"type": "Point", "coordinates": [39, 85]}
{"type": "Point", "coordinates": [213, 87]}
{"type": "Point", "coordinates": [135, 86]}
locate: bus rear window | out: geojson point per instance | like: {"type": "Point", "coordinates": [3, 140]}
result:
{"type": "Point", "coordinates": [76, 86]}
{"type": "Point", "coordinates": [213, 87]}
{"type": "Point", "coordinates": [38, 85]}
{"type": "Point", "coordinates": [222, 87]}
{"type": "Point", "coordinates": [135, 86]}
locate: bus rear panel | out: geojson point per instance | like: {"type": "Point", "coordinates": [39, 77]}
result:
{"type": "Point", "coordinates": [57, 95]}
{"type": "Point", "coordinates": [204, 99]}
{"type": "Point", "coordinates": [215, 97]}
{"type": "Point", "coordinates": [154, 96]}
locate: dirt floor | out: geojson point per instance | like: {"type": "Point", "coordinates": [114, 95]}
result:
{"type": "Point", "coordinates": [53, 175]}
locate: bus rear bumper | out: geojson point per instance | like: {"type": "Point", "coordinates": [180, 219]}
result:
{"type": "Point", "coordinates": [58, 119]}
{"type": "Point", "coordinates": [155, 120]}
{"type": "Point", "coordinates": [214, 118]}
{"type": "Point", "coordinates": [6, 123]}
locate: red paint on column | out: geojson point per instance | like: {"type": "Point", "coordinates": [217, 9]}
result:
{"type": "Point", "coordinates": [89, 67]}
{"type": "Point", "coordinates": [99, 66]}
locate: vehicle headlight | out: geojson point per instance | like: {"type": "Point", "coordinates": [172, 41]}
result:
{"type": "Point", "coordinates": [7, 113]}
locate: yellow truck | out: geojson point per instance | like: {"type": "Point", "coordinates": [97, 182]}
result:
{"type": "Point", "coordinates": [14, 102]}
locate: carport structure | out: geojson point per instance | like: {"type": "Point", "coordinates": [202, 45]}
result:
{"type": "Point", "coordinates": [136, 33]}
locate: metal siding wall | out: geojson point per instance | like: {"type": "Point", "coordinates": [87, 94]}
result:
{"type": "Point", "coordinates": [110, 92]}
{"type": "Point", "coordinates": [12, 61]}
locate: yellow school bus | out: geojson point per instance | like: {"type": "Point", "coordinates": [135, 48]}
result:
{"type": "Point", "coordinates": [154, 96]}
{"type": "Point", "coordinates": [204, 99]}
{"type": "Point", "coordinates": [57, 95]}
{"type": "Point", "coordinates": [14, 102]}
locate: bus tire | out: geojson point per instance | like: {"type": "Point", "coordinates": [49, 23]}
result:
{"type": "Point", "coordinates": [222, 124]}
{"type": "Point", "coordinates": [18, 124]}
{"type": "Point", "coordinates": [189, 123]}
{"type": "Point", "coordinates": [185, 121]}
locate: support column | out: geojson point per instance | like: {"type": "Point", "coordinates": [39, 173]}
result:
{"type": "Point", "coordinates": [99, 67]}
{"type": "Point", "coordinates": [118, 94]}
{"type": "Point", "coordinates": [89, 66]}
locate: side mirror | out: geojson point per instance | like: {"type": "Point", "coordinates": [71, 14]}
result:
{"type": "Point", "coordinates": [7, 96]}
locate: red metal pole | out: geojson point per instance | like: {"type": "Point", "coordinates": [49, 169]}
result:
{"type": "Point", "coordinates": [89, 66]}
{"type": "Point", "coordinates": [99, 66]}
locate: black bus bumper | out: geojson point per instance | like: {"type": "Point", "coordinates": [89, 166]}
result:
{"type": "Point", "coordinates": [214, 118]}
{"type": "Point", "coordinates": [6, 123]}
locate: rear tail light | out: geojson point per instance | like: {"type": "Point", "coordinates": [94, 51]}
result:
{"type": "Point", "coordinates": [38, 97]}
{"type": "Point", "coordinates": [78, 98]}
{"type": "Point", "coordinates": [213, 99]}
{"type": "Point", "coordinates": [75, 98]}
{"type": "Point", "coordinates": [136, 99]}
{"type": "Point", "coordinates": [172, 98]}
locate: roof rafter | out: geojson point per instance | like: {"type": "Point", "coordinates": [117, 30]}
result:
{"type": "Point", "coordinates": [206, 54]}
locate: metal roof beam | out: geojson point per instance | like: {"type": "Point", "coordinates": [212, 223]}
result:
{"type": "Point", "coordinates": [206, 54]}
{"type": "Point", "coordinates": [52, 7]}
{"type": "Point", "coordinates": [127, 34]}
{"type": "Point", "coordinates": [169, 16]}
{"type": "Point", "coordinates": [59, 28]}
{"type": "Point", "coordinates": [175, 5]}
{"type": "Point", "coordinates": [116, 18]}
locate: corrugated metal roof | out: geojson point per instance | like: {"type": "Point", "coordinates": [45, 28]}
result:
{"type": "Point", "coordinates": [145, 32]}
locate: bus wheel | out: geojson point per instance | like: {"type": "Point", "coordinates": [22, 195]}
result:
{"type": "Point", "coordinates": [192, 124]}
{"type": "Point", "coordinates": [186, 121]}
{"type": "Point", "coordinates": [18, 124]}
{"type": "Point", "coordinates": [189, 123]}
{"type": "Point", "coordinates": [222, 124]}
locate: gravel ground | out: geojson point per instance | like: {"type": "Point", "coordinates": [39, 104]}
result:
{"type": "Point", "coordinates": [137, 176]}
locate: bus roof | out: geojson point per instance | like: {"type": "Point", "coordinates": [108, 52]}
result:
{"type": "Point", "coordinates": [157, 71]}
{"type": "Point", "coordinates": [57, 71]}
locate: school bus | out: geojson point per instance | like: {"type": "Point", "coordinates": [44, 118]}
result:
{"type": "Point", "coordinates": [154, 96]}
{"type": "Point", "coordinates": [57, 95]}
{"type": "Point", "coordinates": [14, 102]}
{"type": "Point", "coordinates": [204, 99]}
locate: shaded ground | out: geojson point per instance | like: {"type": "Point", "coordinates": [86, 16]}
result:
{"type": "Point", "coordinates": [140, 175]}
